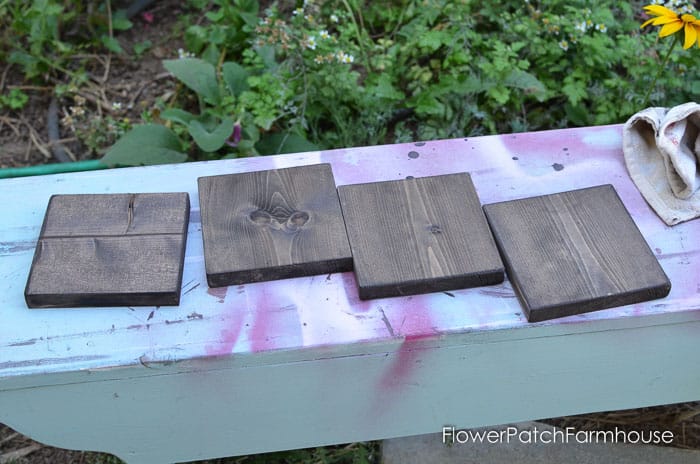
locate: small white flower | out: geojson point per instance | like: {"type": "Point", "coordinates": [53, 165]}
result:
{"type": "Point", "coordinates": [344, 57]}
{"type": "Point", "coordinates": [311, 43]}
{"type": "Point", "coordinates": [183, 54]}
{"type": "Point", "coordinates": [318, 59]}
{"type": "Point", "coordinates": [601, 27]}
{"type": "Point", "coordinates": [116, 106]}
{"type": "Point", "coordinates": [564, 45]}
{"type": "Point", "coordinates": [298, 11]}
{"type": "Point", "coordinates": [334, 18]}
{"type": "Point", "coordinates": [77, 110]}
{"type": "Point", "coordinates": [581, 26]}
{"type": "Point", "coordinates": [67, 121]}
{"type": "Point", "coordinates": [324, 34]}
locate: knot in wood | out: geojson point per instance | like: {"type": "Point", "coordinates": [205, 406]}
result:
{"type": "Point", "coordinates": [289, 221]}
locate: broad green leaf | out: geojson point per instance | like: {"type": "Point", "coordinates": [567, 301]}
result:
{"type": "Point", "coordinates": [211, 141]}
{"type": "Point", "coordinates": [22, 58]}
{"type": "Point", "coordinates": [247, 148]}
{"type": "Point", "coordinates": [235, 77]}
{"type": "Point", "coordinates": [195, 37]}
{"type": "Point", "coordinates": [112, 44]}
{"type": "Point", "coordinates": [248, 6]}
{"type": "Point", "coordinates": [120, 22]}
{"type": "Point", "coordinates": [177, 115]}
{"type": "Point", "coordinates": [211, 54]}
{"type": "Point", "coordinates": [144, 145]}
{"type": "Point", "coordinates": [524, 80]}
{"type": "Point", "coordinates": [51, 9]}
{"type": "Point", "coordinates": [383, 88]}
{"type": "Point", "coordinates": [267, 55]}
{"type": "Point", "coordinates": [196, 74]}
{"type": "Point", "coordinates": [215, 16]}
{"type": "Point", "coordinates": [251, 19]}
{"type": "Point", "coordinates": [274, 144]}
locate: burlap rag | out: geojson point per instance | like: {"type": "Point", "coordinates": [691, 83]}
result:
{"type": "Point", "coordinates": [662, 153]}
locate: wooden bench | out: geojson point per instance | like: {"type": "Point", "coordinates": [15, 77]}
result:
{"type": "Point", "coordinates": [303, 362]}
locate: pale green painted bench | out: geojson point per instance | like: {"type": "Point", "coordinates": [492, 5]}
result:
{"type": "Point", "coordinates": [304, 362]}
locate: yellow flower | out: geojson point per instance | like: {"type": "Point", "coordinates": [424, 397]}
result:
{"type": "Point", "coordinates": [673, 22]}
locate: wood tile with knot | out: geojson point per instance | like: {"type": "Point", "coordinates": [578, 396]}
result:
{"type": "Point", "coordinates": [272, 224]}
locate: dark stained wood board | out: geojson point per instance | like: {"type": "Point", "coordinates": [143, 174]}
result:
{"type": "Point", "coordinates": [110, 250]}
{"type": "Point", "coordinates": [575, 252]}
{"type": "Point", "coordinates": [419, 235]}
{"type": "Point", "coordinates": [272, 224]}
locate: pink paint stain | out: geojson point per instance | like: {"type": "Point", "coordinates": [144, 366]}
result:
{"type": "Point", "coordinates": [351, 293]}
{"type": "Point", "coordinates": [406, 361]}
{"type": "Point", "coordinates": [228, 336]}
{"type": "Point", "coordinates": [416, 326]}
{"type": "Point", "coordinates": [276, 323]}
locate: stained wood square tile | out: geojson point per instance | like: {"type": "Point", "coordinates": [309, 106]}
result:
{"type": "Point", "coordinates": [574, 252]}
{"type": "Point", "coordinates": [273, 224]}
{"type": "Point", "coordinates": [110, 250]}
{"type": "Point", "coordinates": [419, 235]}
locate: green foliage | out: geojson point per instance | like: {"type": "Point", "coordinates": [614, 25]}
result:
{"type": "Point", "coordinates": [234, 104]}
{"type": "Point", "coordinates": [230, 23]}
{"type": "Point", "coordinates": [14, 99]}
{"type": "Point", "coordinates": [337, 73]}
{"type": "Point", "coordinates": [145, 144]}
{"type": "Point", "coordinates": [141, 47]}
{"type": "Point", "coordinates": [33, 34]}
{"type": "Point", "coordinates": [198, 75]}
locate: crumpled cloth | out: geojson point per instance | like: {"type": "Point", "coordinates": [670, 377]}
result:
{"type": "Point", "coordinates": [662, 153]}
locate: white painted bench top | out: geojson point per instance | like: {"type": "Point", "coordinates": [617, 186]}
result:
{"type": "Point", "coordinates": [303, 362]}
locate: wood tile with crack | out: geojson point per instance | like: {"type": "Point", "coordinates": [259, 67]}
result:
{"type": "Point", "coordinates": [110, 250]}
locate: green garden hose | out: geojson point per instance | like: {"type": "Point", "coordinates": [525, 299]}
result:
{"type": "Point", "coordinates": [54, 168]}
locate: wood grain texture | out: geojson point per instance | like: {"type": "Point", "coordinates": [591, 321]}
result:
{"type": "Point", "coordinates": [110, 250]}
{"type": "Point", "coordinates": [419, 235]}
{"type": "Point", "coordinates": [272, 224]}
{"type": "Point", "coordinates": [574, 252]}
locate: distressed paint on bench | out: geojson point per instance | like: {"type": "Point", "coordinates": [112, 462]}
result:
{"type": "Point", "coordinates": [317, 326]}
{"type": "Point", "coordinates": [289, 307]}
